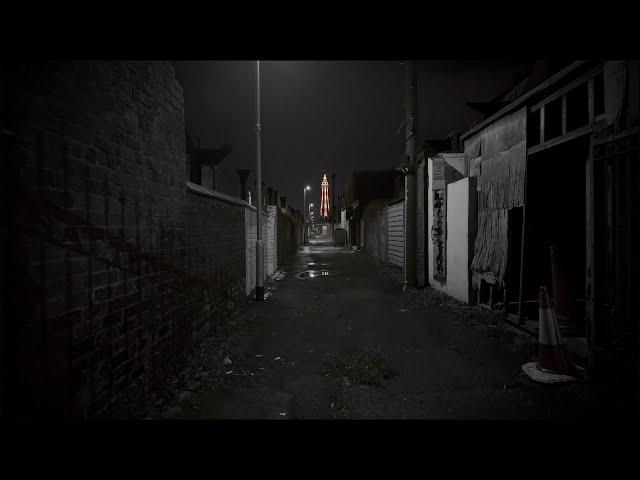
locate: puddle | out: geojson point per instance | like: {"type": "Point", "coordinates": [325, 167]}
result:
{"type": "Point", "coordinates": [313, 273]}
{"type": "Point", "coordinates": [317, 266]}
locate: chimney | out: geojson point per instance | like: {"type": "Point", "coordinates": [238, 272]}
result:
{"type": "Point", "coordinates": [276, 198]}
{"type": "Point", "coordinates": [283, 202]}
{"type": "Point", "coordinates": [270, 196]}
{"type": "Point", "coordinates": [244, 175]}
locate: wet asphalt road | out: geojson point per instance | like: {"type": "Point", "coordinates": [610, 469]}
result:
{"type": "Point", "coordinates": [445, 368]}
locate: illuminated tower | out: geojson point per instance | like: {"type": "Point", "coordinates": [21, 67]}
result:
{"type": "Point", "coordinates": [324, 202]}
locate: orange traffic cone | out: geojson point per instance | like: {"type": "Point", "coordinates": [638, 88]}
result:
{"type": "Point", "coordinates": [552, 366]}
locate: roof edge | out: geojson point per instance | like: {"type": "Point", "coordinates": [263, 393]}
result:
{"type": "Point", "coordinates": [519, 101]}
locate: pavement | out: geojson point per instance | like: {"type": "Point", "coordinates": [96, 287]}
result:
{"type": "Point", "coordinates": [351, 344]}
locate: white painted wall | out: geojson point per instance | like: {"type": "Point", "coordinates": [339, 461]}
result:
{"type": "Point", "coordinates": [457, 252]}
{"type": "Point", "coordinates": [250, 240]}
{"type": "Point", "coordinates": [458, 240]}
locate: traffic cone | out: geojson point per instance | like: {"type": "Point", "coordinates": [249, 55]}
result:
{"type": "Point", "coordinates": [551, 347]}
{"type": "Point", "coordinates": [552, 366]}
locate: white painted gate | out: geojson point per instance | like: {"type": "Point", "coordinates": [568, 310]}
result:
{"type": "Point", "coordinates": [395, 233]}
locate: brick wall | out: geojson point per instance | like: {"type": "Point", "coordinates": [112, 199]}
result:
{"type": "Point", "coordinates": [271, 243]}
{"type": "Point", "coordinates": [287, 236]}
{"type": "Point", "coordinates": [115, 267]}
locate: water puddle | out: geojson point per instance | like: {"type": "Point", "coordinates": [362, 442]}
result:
{"type": "Point", "coordinates": [313, 273]}
{"type": "Point", "coordinates": [317, 266]}
{"type": "Point", "coordinates": [315, 270]}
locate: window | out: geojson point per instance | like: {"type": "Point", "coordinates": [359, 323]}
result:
{"type": "Point", "coordinates": [598, 94]}
{"type": "Point", "coordinates": [578, 107]}
{"type": "Point", "coordinates": [533, 129]}
{"type": "Point", "coordinates": [553, 119]}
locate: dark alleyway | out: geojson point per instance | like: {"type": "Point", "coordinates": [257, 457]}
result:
{"type": "Point", "coordinates": [351, 344]}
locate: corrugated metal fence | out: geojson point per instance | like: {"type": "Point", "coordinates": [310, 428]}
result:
{"type": "Point", "coordinates": [395, 233]}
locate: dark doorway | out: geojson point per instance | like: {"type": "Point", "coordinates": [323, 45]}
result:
{"type": "Point", "coordinates": [556, 217]}
{"type": "Point", "coordinates": [514, 244]}
{"type": "Point", "coordinates": [616, 245]}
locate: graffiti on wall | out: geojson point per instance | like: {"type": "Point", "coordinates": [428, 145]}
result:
{"type": "Point", "coordinates": [438, 236]}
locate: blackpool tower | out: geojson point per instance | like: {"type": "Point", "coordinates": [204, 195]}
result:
{"type": "Point", "coordinates": [324, 202]}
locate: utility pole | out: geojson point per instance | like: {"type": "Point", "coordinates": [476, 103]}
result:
{"type": "Point", "coordinates": [259, 246]}
{"type": "Point", "coordinates": [410, 187]}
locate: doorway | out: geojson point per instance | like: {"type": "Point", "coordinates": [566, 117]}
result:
{"type": "Point", "coordinates": [556, 221]}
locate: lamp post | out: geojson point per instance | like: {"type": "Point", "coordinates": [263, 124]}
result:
{"type": "Point", "coordinates": [259, 246]}
{"type": "Point", "coordinates": [410, 186]}
{"type": "Point", "coordinates": [305, 233]}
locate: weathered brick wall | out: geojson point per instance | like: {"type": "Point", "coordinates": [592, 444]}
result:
{"type": "Point", "coordinates": [287, 237]}
{"type": "Point", "coordinates": [271, 243]}
{"type": "Point", "coordinates": [115, 267]}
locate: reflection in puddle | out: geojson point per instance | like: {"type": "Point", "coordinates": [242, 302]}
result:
{"type": "Point", "coordinates": [314, 273]}
{"type": "Point", "coordinates": [317, 266]}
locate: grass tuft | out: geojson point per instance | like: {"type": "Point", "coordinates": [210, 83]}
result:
{"type": "Point", "coordinates": [369, 366]}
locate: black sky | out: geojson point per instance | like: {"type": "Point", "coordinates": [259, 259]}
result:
{"type": "Point", "coordinates": [334, 116]}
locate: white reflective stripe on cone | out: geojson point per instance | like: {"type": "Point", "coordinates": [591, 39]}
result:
{"type": "Point", "coordinates": [548, 334]}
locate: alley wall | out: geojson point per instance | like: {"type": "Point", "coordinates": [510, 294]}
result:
{"type": "Point", "coordinates": [116, 267]}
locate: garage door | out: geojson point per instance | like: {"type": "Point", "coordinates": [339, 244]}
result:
{"type": "Point", "coordinates": [395, 233]}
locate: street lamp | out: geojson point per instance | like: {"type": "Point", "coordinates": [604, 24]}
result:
{"type": "Point", "coordinates": [259, 246]}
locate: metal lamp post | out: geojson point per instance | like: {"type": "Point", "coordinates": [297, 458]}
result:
{"type": "Point", "coordinates": [259, 246]}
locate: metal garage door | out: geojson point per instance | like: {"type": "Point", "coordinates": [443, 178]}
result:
{"type": "Point", "coordinates": [395, 233]}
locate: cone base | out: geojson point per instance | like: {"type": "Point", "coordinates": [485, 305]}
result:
{"type": "Point", "coordinates": [532, 369]}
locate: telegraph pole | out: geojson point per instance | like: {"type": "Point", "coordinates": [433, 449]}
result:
{"type": "Point", "coordinates": [259, 246]}
{"type": "Point", "coordinates": [410, 187]}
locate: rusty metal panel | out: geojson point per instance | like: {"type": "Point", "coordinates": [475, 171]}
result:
{"type": "Point", "coordinates": [491, 243]}
{"type": "Point", "coordinates": [472, 145]}
{"type": "Point", "coordinates": [501, 182]}
{"type": "Point", "coordinates": [500, 165]}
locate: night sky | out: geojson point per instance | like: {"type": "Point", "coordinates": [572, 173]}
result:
{"type": "Point", "coordinates": [333, 116]}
